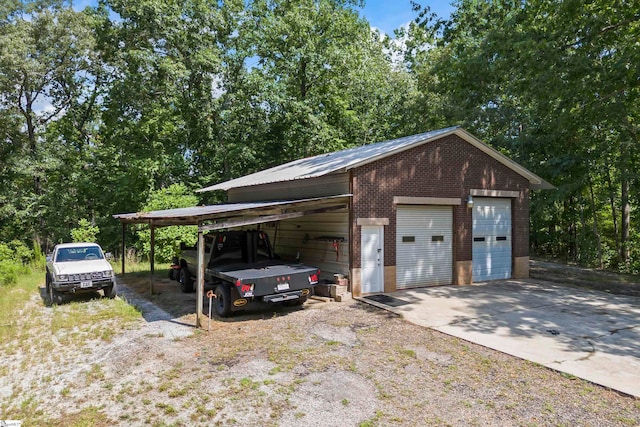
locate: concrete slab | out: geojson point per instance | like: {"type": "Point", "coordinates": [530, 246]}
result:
{"type": "Point", "coordinates": [589, 334]}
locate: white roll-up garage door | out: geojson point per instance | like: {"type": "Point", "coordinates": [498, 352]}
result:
{"type": "Point", "coordinates": [491, 239]}
{"type": "Point", "coordinates": [424, 249]}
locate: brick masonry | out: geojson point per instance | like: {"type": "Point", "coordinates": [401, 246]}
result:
{"type": "Point", "coordinates": [449, 167]}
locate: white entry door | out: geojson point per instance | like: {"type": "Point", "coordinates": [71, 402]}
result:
{"type": "Point", "coordinates": [372, 244]}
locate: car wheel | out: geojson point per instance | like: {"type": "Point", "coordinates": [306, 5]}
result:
{"type": "Point", "coordinates": [55, 297]}
{"type": "Point", "coordinates": [186, 282]}
{"type": "Point", "coordinates": [110, 291]}
{"type": "Point", "coordinates": [47, 286]}
{"type": "Point", "coordinates": [223, 300]}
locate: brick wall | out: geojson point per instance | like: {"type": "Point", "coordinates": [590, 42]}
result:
{"type": "Point", "coordinates": [448, 167]}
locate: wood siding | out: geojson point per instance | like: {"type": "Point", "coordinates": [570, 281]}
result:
{"type": "Point", "coordinates": [312, 238]}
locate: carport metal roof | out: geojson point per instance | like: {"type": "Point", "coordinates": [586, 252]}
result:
{"type": "Point", "coordinates": [260, 211]}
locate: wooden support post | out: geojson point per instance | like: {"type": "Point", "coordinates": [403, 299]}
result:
{"type": "Point", "coordinates": [124, 246]}
{"type": "Point", "coordinates": [200, 288]}
{"type": "Point", "coordinates": [152, 255]}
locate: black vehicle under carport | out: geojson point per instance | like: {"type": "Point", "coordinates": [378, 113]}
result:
{"type": "Point", "coordinates": [222, 217]}
{"type": "Point", "coordinates": [243, 268]}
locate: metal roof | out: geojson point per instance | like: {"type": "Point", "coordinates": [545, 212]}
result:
{"type": "Point", "coordinates": [197, 214]}
{"type": "Point", "coordinates": [341, 161]}
{"type": "Point", "coordinates": [323, 164]}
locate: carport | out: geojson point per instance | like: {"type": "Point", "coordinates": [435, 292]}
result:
{"type": "Point", "coordinates": [223, 216]}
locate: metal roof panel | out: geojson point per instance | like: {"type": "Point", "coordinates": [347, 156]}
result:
{"type": "Point", "coordinates": [323, 164]}
{"type": "Point", "coordinates": [193, 215]}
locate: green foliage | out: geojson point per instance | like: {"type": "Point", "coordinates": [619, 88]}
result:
{"type": "Point", "coordinates": [167, 239]}
{"type": "Point", "coordinates": [85, 232]}
{"type": "Point", "coordinates": [39, 258]}
{"type": "Point", "coordinates": [100, 108]}
{"type": "Point", "coordinates": [554, 85]}
{"type": "Point", "coordinates": [15, 258]}
{"type": "Point", "coordinates": [9, 272]}
{"type": "Point", "coordinates": [47, 58]}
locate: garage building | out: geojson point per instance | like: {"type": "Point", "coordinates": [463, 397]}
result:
{"type": "Point", "coordinates": [430, 209]}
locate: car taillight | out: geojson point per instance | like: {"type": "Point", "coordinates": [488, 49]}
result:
{"type": "Point", "coordinates": [313, 279]}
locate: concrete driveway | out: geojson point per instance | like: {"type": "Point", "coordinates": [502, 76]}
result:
{"type": "Point", "coordinates": [592, 335]}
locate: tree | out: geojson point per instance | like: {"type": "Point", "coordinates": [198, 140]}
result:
{"type": "Point", "coordinates": [324, 82]}
{"type": "Point", "coordinates": [554, 84]}
{"type": "Point", "coordinates": [46, 72]}
{"type": "Point", "coordinates": [85, 232]}
{"type": "Point", "coordinates": [167, 240]}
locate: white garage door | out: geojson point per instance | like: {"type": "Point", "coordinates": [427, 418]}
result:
{"type": "Point", "coordinates": [491, 239]}
{"type": "Point", "coordinates": [424, 248]}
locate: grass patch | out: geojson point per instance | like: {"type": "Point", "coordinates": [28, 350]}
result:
{"type": "Point", "coordinates": [409, 353]}
{"type": "Point", "coordinates": [135, 268]}
{"type": "Point", "coordinates": [12, 299]}
{"type": "Point", "coordinates": [77, 322]}
{"type": "Point", "coordinates": [166, 408]}
{"type": "Point", "coordinates": [87, 417]}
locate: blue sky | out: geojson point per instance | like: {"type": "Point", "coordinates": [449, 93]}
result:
{"type": "Point", "coordinates": [387, 15]}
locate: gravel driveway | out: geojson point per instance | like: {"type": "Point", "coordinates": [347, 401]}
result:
{"type": "Point", "coordinates": [327, 364]}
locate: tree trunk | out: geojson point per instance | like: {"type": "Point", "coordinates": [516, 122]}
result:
{"type": "Point", "coordinates": [626, 220]}
{"type": "Point", "coordinates": [614, 212]}
{"type": "Point", "coordinates": [596, 230]}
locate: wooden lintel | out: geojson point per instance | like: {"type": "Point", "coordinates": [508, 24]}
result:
{"type": "Point", "coordinates": [267, 218]}
{"type": "Point", "coordinates": [494, 193]}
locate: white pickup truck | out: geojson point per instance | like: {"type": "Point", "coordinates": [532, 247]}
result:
{"type": "Point", "coordinates": [78, 267]}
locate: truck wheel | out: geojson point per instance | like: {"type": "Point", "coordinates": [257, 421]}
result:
{"type": "Point", "coordinates": [172, 274]}
{"type": "Point", "coordinates": [55, 297]}
{"type": "Point", "coordinates": [186, 282]}
{"type": "Point", "coordinates": [223, 300]}
{"type": "Point", "coordinates": [110, 291]}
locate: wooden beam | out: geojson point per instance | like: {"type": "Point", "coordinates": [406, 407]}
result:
{"type": "Point", "coordinates": [267, 218]}
{"type": "Point", "coordinates": [124, 246]}
{"type": "Point", "coordinates": [200, 284]}
{"type": "Point", "coordinates": [152, 255]}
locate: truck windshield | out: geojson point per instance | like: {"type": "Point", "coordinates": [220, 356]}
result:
{"type": "Point", "coordinates": [78, 254]}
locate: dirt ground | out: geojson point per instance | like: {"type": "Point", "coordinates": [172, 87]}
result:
{"type": "Point", "coordinates": [324, 364]}
{"type": "Point", "coordinates": [568, 275]}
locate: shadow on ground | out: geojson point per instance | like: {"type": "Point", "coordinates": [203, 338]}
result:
{"type": "Point", "coordinates": [69, 298]}
{"type": "Point", "coordinates": [168, 297]}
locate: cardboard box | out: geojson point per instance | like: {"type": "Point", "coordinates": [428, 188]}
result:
{"type": "Point", "coordinates": [338, 290]}
{"type": "Point", "coordinates": [344, 297]}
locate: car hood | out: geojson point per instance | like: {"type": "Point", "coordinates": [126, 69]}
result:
{"type": "Point", "coordinates": [86, 266]}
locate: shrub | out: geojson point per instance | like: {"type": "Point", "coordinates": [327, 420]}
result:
{"type": "Point", "coordinates": [39, 258]}
{"type": "Point", "coordinates": [6, 254]}
{"type": "Point", "coordinates": [14, 258]}
{"type": "Point", "coordinates": [85, 232]}
{"type": "Point", "coordinates": [9, 271]}
{"type": "Point", "coordinates": [167, 238]}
